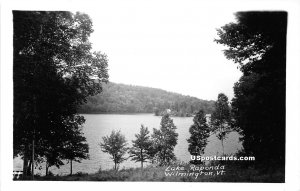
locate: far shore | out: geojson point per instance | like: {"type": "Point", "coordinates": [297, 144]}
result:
{"type": "Point", "coordinates": [111, 113]}
{"type": "Point", "coordinates": [124, 113]}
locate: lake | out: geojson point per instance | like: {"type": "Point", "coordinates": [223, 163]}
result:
{"type": "Point", "coordinates": [99, 125]}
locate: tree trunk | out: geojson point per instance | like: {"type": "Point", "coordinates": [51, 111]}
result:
{"type": "Point", "coordinates": [164, 157]}
{"type": "Point", "coordinates": [25, 165]}
{"type": "Point", "coordinates": [33, 136]}
{"type": "Point", "coordinates": [29, 168]}
{"type": "Point", "coordinates": [222, 146]}
{"type": "Point", "coordinates": [142, 158]}
{"type": "Point", "coordinates": [71, 167]}
{"type": "Point", "coordinates": [115, 165]}
{"type": "Point", "coordinates": [47, 167]}
{"type": "Point", "coordinates": [32, 170]}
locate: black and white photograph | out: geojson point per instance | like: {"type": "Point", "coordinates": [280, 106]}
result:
{"type": "Point", "coordinates": [151, 91]}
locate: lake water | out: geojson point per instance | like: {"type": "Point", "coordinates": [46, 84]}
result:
{"type": "Point", "coordinates": [99, 125]}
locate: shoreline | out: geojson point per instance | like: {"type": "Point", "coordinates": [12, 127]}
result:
{"type": "Point", "coordinates": [231, 173]}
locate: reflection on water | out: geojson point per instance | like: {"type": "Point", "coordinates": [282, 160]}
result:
{"type": "Point", "coordinates": [99, 125]}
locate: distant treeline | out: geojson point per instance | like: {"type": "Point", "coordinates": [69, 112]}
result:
{"type": "Point", "coordinates": [121, 98]}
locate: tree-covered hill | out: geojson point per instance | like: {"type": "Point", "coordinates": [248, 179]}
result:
{"type": "Point", "coordinates": [121, 98]}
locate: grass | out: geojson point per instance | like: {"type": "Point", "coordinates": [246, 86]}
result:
{"type": "Point", "coordinates": [233, 173]}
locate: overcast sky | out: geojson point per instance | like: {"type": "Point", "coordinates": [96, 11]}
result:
{"type": "Point", "coordinates": [167, 46]}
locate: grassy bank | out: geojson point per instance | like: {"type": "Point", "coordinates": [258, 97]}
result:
{"type": "Point", "coordinates": [232, 173]}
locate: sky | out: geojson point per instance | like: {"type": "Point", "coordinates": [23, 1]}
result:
{"type": "Point", "coordinates": [166, 46]}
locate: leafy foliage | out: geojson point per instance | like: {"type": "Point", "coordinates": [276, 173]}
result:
{"type": "Point", "coordinates": [141, 146]}
{"type": "Point", "coordinates": [120, 98]}
{"type": "Point", "coordinates": [257, 42]}
{"type": "Point", "coordinates": [115, 145]}
{"type": "Point", "coordinates": [165, 140]}
{"type": "Point", "coordinates": [200, 132]}
{"type": "Point", "coordinates": [75, 147]}
{"type": "Point", "coordinates": [53, 72]}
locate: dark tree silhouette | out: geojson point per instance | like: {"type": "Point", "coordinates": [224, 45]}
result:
{"type": "Point", "coordinates": [257, 42]}
{"type": "Point", "coordinates": [75, 147]}
{"type": "Point", "coordinates": [54, 71]}
{"type": "Point", "coordinates": [199, 134]}
{"type": "Point", "coordinates": [164, 140]}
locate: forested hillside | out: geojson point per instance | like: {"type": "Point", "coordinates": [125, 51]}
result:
{"type": "Point", "coordinates": [121, 98]}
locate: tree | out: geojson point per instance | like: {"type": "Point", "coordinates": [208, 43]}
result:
{"type": "Point", "coordinates": [75, 147]}
{"type": "Point", "coordinates": [165, 140]}
{"type": "Point", "coordinates": [257, 43]}
{"type": "Point", "coordinates": [69, 146]}
{"type": "Point", "coordinates": [115, 145]}
{"type": "Point", "coordinates": [199, 134]}
{"type": "Point", "coordinates": [220, 119]}
{"type": "Point", "coordinates": [141, 146]}
{"type": "Point", "coordinates": [54, 71]}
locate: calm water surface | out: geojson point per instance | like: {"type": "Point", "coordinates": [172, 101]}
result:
{"type": "Point", "coordinates": [99, 125]}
